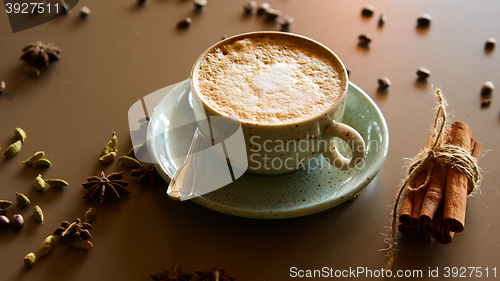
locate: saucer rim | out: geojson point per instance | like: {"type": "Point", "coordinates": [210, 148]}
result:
{"type": "Point", "coordinates": [218, 205]}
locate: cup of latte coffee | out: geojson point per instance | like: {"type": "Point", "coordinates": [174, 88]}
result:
{"type": "Point", "coordinates": [286, 92]}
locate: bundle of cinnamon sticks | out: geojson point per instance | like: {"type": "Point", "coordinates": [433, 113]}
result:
{"type": "Point", "coordinates": [437, 211]}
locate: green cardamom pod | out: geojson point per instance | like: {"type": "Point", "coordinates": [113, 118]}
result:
{"type": "Point", "coordinates": [30, 161]}
{"type": "Point", "coordinates": [38, 214]}
{"type": "Point", "coordinates": [20, 134]}
{"type": "Point", "coordinates": [130, 162]}
{"type": "Point", "coordinates": [4, 204]}
{"type": "Point", "coordinates": [29, 260]}
{"type": "Point", "coordinates": [22, 200]}
{"type": "Point", "coordinates": [13, 149]}
{"type": "Point", "coordinates": [90, 214]}
{"type": "Point", "coordinates": [111, 146]}
{"type": "Point", "coordinates": [108, 158]}
{"type": "Point", "coordinates": [42, 163]}
{"type": "Point", "coordinates": [131, 152]}
{"type": "Point", "coordinates": [56, 183]}
{"type": "Point", "coordinates": [114, 141]}
{"type": "Point", "coordinates": [139, 152]}
{"type": "Point", "coordinates": [47, 246]}
{"type": "Point", "coordinates": [39, 183]}
{"type": "Point", "coordinates": [82, 244]}
{"type": "Point", "coordinates": [31, 71]}
{"type": "Point", "coordinates": [105, 151]}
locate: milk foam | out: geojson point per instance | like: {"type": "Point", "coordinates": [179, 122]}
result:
{"type": "Point", "coordinates": [276, 78]}
{"type": "Point", "coordinates": [269, 81]}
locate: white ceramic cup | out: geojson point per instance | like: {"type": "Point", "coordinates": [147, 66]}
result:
{"type": "Point", "coordinates": [305, 140]}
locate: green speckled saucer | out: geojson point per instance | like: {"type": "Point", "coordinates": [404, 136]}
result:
{"type": "Point", "coordinates": [296, 194]}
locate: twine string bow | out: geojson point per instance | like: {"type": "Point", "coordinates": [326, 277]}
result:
{"type": "Point", "coordinates": [425, 160]}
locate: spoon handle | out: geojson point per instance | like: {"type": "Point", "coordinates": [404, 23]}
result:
{"type": "Point", "coordinates": [183, 183]}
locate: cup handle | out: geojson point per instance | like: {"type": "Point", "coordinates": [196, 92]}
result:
{"type": "Point", "coordinates": [351, 137]}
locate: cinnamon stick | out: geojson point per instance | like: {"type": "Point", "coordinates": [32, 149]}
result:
{"type": "Point", "coordinates": [445, 236]}
{"type": "Point", "coordinates": [437, 221]}
{"type": "Point", "coordinates": [426, 237]}
{"type": "Point", "coordinates": [434, 195]}
{"type": "Point", "coordinates": [455, 200]}
{"type": "Point", "coordinates": [418, 199]}
{"type": "Point", "coordinates": [428, 227]}
{"type": "Point", "coordinates": [409, 231]}
{"type": "Point", "coordinates": [441, 234]}
{"type": "Point", "coordinates": [476, 149]}
{"type": "Point", "coordinates": [407, 210]}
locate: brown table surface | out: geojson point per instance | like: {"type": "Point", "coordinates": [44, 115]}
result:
{"type": "Point", "coordinates": [122, 52]}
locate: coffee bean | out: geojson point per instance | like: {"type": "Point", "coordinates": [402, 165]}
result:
{"type": "Point", "coordinates": [17, 222]}
{"type": "Point", "coordinates": [84, 12]}
{"type": "Point", "coordinates": [272, 14]}
{"type": "Point", "coordinates": [423, 73]}
{"type": "Point", "coordinates": [262, 9]}
{"type": "Point", "coordinates": [487, 89]}
{"type": "Point", "coordinates": [364, 39]}
{"type": "Point", "coordinates": [2, 86]}
{"type": "Point", "coordinates": [199, 4]}
{"type": "Point", "coordinates": [185, 23]}
{"type": "Point", "coordinates": [285, 23]}
{"type": "Point", "coordinates": [384, 83]}
{"type": "Point", "coordinates": [490, 43]}
{"type": "Point", "coordinates": [382, 20]}
{"type": "Point", "coordinates": [485, 103]}
{"type": "Point", "coordinates": [249, 7]}
{"type": "Point", "coordinates": [424, 20]}
{"type": "Point", "coordinates": [367, 11]}
{"type": "Point", "coordinates": [4, 222]}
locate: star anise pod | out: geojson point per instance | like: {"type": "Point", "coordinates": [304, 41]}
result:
{"type": "Point", "coordinates": [111, 186]}
{"type": "Point", "coordinates": [38, 54]}
{"type": "Point", "coordinates": [214, 274]}
{"type": "Point", "coordinates": [74, 231]}
{"type": "Point", "coordinates": [146, 173]}
{"type": "Point", "coordinates": [176, 275]}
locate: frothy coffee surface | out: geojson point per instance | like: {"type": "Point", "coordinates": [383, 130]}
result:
{"type": "Point", "coordinates": [269, 79]}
